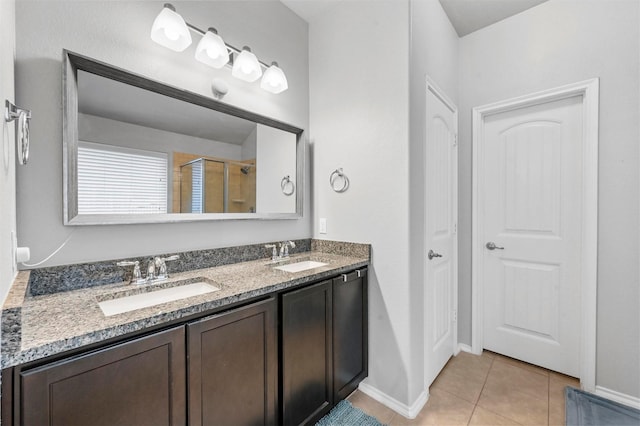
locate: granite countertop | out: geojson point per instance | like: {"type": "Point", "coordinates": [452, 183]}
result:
{"type": "Point", "coordinates": [35, 327]}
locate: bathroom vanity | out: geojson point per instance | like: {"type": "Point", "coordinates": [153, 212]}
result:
{"type": "Point", "coordinates": [268, 347]}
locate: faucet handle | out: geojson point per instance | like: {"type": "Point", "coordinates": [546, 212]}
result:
{"type": "Point", "coordinates": [137, 275]}
{"type": "Point", "coordinates": [284, 248]}
{"type": "Point", "coordinates": [274, 252]}
{"type": "Point", "coordinates": [161, 265]}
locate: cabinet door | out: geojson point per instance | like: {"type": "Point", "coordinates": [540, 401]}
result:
{"type": "Point", "coordinates": [141, 382]}
{"type": "Point", "coordinates": [233, 367]}
{"type": "Point", "coordinates": [306, 354]}
{"type": "Point", "coordinates": [350, 325]}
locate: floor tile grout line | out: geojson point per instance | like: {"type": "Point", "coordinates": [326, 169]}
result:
{"type": "Point", "coordinates": [472, 413]}
{"type": "Point", "coordinates": [475, 405]}
{"type": "Point", "coordinates": [499, 414]}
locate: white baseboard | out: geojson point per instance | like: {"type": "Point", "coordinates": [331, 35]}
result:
{"type": "Point", "coordinates": [409, 412]}
{"type": "Point", "coordinates": [622, 398]}
{"type": "Point", "coordinates": [464, 348]}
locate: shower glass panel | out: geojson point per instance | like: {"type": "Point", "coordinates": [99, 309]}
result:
{"type": "Point", "coordinates": [241, 188]}
{"type": "Point", "coordinates": [213, 186]}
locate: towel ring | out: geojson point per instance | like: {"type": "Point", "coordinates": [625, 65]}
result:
{"type": "Point", "coordinates": [23, 116]}
{"type": "Point", "coordinates": [287, 182]}
{"type": "Point", "coordinates": [336, 176]}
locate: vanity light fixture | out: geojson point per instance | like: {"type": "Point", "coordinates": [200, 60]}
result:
{"type": "Point", "coordinates": [246, 66]}
{"type": "Point", "coordinates": [274, 80]}
{"type": "Point", "coordinates": [172, 31]}
{"type": "Point", "coordinates": [211, 50]}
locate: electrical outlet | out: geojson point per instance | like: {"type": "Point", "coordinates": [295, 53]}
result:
{"type": "Point", "coordinates": [323, 225]}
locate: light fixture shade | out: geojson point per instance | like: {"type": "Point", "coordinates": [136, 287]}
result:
{"type": "Point", "coordinates": [274, 80]}
{"type": "Point", "coordinates": [246, 66]}
{"type": "Point", "coordinates": [170, 30]}
{"type": "Point", "coordinates": [211, 50]}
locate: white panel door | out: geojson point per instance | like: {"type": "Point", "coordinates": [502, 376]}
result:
{"type": "Point", "coordinates": [440, 207]}
{"type": "Point", "coordinates": [531, 233]}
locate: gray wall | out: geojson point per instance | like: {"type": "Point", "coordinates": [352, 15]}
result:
{"type": "Point", "coordinates": [434, 53]}
{"type": "Point", "coordinates": [118, 33]}
{"type": "Point", "coordinates": [7, 149]}
{"type": "Point", "coordinates": [359, 121]}
{"type": "Point", "coordinates": [556, 43]}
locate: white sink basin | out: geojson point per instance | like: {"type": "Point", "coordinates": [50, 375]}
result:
{"type": "Point", "coordinates": [144, 300]}
{"type": "Point", "coordinates": [305, 265]}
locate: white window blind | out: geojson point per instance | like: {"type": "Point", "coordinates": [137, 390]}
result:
{"type": "Point", "coordinates": [113, 179]}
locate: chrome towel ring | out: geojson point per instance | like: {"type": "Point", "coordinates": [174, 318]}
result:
{"type": "Point", "coordinates": [287, 185]}
{"type": "Point", "coordinates": [335, 178]}
{"type": "Point", "coordinates": [23, 116]}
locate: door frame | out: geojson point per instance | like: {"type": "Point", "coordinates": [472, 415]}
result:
{"type": "Point", "coordinates": [589, 91]}
{"type": "Point", "coordinates": [439, 93]}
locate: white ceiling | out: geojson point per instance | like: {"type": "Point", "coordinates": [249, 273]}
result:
{"type": "Point", "coordinates": [307, 9]}
{"type": "Point", "coordinates": [466, 16]}
{"type": "Point", "coordinates": [111, 99]}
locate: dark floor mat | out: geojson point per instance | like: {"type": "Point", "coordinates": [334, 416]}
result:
{"type": "Point", "coordinates": [586, 409]}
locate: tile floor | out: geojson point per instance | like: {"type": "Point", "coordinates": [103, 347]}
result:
{"type": "Point", "coordinates": [489, 389]}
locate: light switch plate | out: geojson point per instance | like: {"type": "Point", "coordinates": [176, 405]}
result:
{"type": "Point", "coordinates": [323, 225]}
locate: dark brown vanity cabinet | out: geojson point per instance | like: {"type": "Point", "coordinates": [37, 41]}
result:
{"type": "Point", "coordinates": [285, 360]}
{"type": "Point", "coordinates": [350, 333]}
{"type": "Point", "coordinates": [233, 367]}
{"type": "Point", "coordinates": [225, 375]}
{"type": "Point", "coordinates": [324, 346]}
{"type": "Point", "coordinates": [307, 356]}
{"type": "Point", "coordinates": [140, 382]}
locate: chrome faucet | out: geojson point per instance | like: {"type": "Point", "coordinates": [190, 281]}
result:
{"type": "Point", "coordinates": [156, 269]}
{"type": "Point", "coordinates": [274, 251]}
{"type": "Point", "coordinates": [151, 269]}
{"type": "Point", "coordinates": [284, 248]}
{"type": "Point", "coordinates": [283, 253]}
{"type": "Point", "coordinates": [160, 264]}
{"type": "Point", "coordinates": [136, 277]}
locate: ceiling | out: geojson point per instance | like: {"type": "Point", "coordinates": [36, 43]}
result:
{"type": "Point", "coordinates": [466, 16]}
{"type": "Point", "coordinates": [111, 99]}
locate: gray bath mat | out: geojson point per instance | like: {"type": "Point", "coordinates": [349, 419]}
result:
{"type": "Point", "coordinates": [345, 414]}
{"type": "Point", "coordinates": [585, 409]}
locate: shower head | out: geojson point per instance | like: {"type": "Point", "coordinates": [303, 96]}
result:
{"type": "Point", "coordinates": [245, 170]}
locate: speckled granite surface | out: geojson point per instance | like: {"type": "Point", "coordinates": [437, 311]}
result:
{"type": "Point", "coordinates": [73, 277]}
{"type": "Point", "coordinates": [342, 248]}
{"type": "Point", "coordinates": [35, 327]}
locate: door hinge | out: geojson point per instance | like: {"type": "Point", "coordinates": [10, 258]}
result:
{"type": "Point", "coordinates": [455, 139]}
{"type": "Point", "coordinates": [455, 227]}
{"type": "Point", "coordinates": [454, 316]}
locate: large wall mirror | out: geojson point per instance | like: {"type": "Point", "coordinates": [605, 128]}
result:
{"type": "Point", "coordinates": [140, 151]}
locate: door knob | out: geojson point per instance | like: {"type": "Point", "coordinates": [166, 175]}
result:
{"type": "Point", "coordinates": [433, 254]}
{"type": "Point", "coordinates": [492, 246]}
